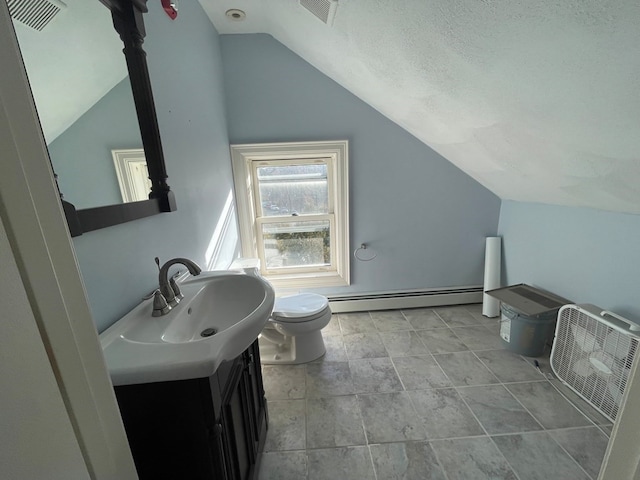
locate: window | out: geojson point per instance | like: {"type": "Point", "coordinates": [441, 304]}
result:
{"type": "Point", "coordinates": [293, 210]}
{"type": "Point", "coordinates": [133, 176]}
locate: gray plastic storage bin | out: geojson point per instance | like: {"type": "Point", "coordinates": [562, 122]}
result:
{"type": "Point", "coordinates": [526, 334]}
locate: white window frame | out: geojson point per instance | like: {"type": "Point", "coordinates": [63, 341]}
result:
{"type": "Point", "coordinates": [134, 186]}
{"type": "Point", "coordinates": [246, 158]}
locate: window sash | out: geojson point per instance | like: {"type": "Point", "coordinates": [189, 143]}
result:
{"type": "Point", "coordinates": [332, 267]}
{"type": "Point", "coordinates": [255, 182]}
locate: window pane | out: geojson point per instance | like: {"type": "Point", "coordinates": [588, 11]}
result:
{"type": "Point", "coordinates": [293, 189]}
{"type": "Point", "coordinates": [297, 244]}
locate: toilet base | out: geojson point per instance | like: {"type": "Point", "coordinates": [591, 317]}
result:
{"type": "Point", "coordinates": [292, 350]}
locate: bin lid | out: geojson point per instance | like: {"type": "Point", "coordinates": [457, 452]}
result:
{"type": "Point", "coordinates": [527, 299]}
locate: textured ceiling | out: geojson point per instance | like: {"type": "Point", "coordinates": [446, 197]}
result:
{"type": "Point", "coordinates": [538, 101]}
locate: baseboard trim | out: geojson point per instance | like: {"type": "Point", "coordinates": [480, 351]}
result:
{"type": "Point", "coordinates": [435, 297]}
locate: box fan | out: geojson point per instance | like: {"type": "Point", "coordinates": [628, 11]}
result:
{"type": "Point", "coordinates": [592, 354]}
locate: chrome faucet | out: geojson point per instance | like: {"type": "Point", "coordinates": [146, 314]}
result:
{"type": "Point", "coordinates": [168, 287]}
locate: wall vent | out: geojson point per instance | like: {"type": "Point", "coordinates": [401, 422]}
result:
{"type": "Point", "coordinates": [325, 10]}
{"type": "Point", "coordinates": [35, 13]}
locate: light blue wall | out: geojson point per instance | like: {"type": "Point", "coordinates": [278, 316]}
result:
{"type": "Point", "coordinates": [584, 255]}
{"type": "Point", "coordinates": [184, 62]}
{"type": "Point", "coordinates": [425, 218]}
{"type": "Point", "coordinates": [81, 155]}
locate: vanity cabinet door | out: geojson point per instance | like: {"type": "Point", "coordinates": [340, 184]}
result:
{"type": "Point", "coordinates": [244, 416]}
{"type": "Point", "coordinates": [204, 428]}
{"type": "Point", "coordinates": [169, 426]}
{"type": "Point", "coordinates": [257, 400]}
{"type": "Point", "coordinates": [236, 419]}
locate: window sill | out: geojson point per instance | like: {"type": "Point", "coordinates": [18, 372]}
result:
{"type": "Point", "coordinates": [306, 280]}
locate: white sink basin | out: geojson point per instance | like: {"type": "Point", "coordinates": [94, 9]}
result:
{"type": "Point", "coordinates": [221, 314]}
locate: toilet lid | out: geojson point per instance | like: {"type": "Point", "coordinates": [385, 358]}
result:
{"type": "Point", "coordinates": [299, 306]}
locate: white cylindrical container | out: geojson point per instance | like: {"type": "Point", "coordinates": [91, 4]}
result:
{"type": "Point", "coordinates": [492, 265]}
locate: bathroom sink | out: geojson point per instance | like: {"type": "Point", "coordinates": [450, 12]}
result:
{"type": "Point", "coordinates": [221, 314]}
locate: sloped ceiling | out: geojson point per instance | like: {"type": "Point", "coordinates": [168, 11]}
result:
{"type": "Point", "coordinates": [72, 63]}
{"type": "Point", "coordinates": [538, 101]}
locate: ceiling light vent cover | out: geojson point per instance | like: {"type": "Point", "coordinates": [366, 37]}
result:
{"type": "Point", "coordinates": [325, 10]}
{"type": "Point", "coordinates": [34, 13]}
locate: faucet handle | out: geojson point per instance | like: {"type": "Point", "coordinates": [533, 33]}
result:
{"type": "Point", "coordinates": [149, 295]}
{"type": "Point", "coordinates": [176, 289]}
{"type": "Point", "coordinates": [160, 305]}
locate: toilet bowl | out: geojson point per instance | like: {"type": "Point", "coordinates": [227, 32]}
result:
{"type": "Point", "coordinates": [292, 333]}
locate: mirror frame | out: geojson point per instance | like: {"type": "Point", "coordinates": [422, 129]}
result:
{"type": "Point", "coordinates": [128, 22]}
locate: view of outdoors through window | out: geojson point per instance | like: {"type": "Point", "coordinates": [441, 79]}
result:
{"type": "Point", "coordinates": [301, 192]}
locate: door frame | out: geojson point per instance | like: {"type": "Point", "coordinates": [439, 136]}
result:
{"type": "Point", "coordinates": [32, 214]}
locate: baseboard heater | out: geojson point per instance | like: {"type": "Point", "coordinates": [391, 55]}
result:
{"type": "Point", "coordinates": [434, 297]}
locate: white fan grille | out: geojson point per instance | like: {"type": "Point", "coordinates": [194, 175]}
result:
{"type": "Point", "coordinates": [592, 358]}
{"type": "Point", "coordinates": [34, 13]}
{"type": "Point", "coordinates": [325, 10]}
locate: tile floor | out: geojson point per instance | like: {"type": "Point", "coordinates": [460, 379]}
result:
{"type": "Point", "coordinates": [424, 394]}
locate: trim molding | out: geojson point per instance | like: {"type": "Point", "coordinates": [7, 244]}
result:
{"type": "Point", "coordinates": [435, 297]}
{"type": "Point", "coordinates": [244, 155]}
{"type": "Point", "coordinates": [34, 220]}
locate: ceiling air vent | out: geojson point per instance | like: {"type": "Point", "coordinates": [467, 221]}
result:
{"type": "Point", "coordinates": [35, 13]}
{"type": "Point", "coordinates": [325, 10]}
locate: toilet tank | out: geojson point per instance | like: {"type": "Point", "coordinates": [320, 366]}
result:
{"type": "Point", "coordinates": [250, 266]}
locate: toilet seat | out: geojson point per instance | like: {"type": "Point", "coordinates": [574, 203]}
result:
{"type": "Point", "coordinates": [295, 320]}
{"type": "Point", "coordinates": [302, 307]}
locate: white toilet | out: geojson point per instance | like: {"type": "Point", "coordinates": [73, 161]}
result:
{"type": "Point", "coordinates": [292, 334]}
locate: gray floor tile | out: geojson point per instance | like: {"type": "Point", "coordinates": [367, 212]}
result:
{"type": "Point", "coordinates": [333, 406]}
{"type": "Point", "coordinates": [403, 343]}
{"type": "Point", "coordinates": [287, 426]}
{"type": "Point", "coordinates": [442, 340]}
{"type": "Point", "coordinates": [586, 445]}
{"type": "Point", "coordinates": [478, 338]}
{"type": "Point", "coordinates": [444, 414]}
{"type": "Point", "coordinates": [334, 463]}
{"type": "Point", "coordinates": [476, 311]}
{"type": "Point", "coordinates": [535, 456]}
{"type": "Point", "coordinates": [283, 466]}
{"type": "Point", "coordinates": [491, 323]}
{"type": "Point", "coordinates": [463, 368]}
{"type": "Point", "coordinates": [390, 417]}
{"type": "Point", "coordinates": [390, 321]}
{"type": "Point", "coordinates": [374, 375]}
{"type": "Point", "coordinates": [335, 350]}
{"type": "Point", "coordinates": [578, 402]}
{"type": "Point", "coordinates": [333, 328]}
{"type": "Point", "coordinates": [472, 459]}
{"type": "Point", "coordinates": [420, 372]}
{"type": "Point", "coordinates": [364, 345]}
{"type": "Point", "coordinates": [329, 378]}
{"type": "Point", "coordinates": [359, 322]}
{"type": "Point", "coordinates": [334, 422]}
{"type": "Point", "coordinates": [474, 308]}
{"type": "Point", "coordinates": [284, 382]}
{"type": "Point", "coordinates": [406, 461]}
{"type": "Point", "coordinates": [423, 318]}
{"type": "Point", "coordinates": [550, 408]}
{"type": "Point", "coordinates": [508, 366]}
{"type": "Point", "coordinates": [497, 410]}
{"type": "Point", "coordinates": [456, 316]}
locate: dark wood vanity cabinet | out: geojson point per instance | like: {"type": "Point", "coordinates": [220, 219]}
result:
{"type": "Point", "coordinates": [205, 428]}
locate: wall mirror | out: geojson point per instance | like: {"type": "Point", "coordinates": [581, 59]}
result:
{"type": "Point", "coordinates": [95, 107]}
